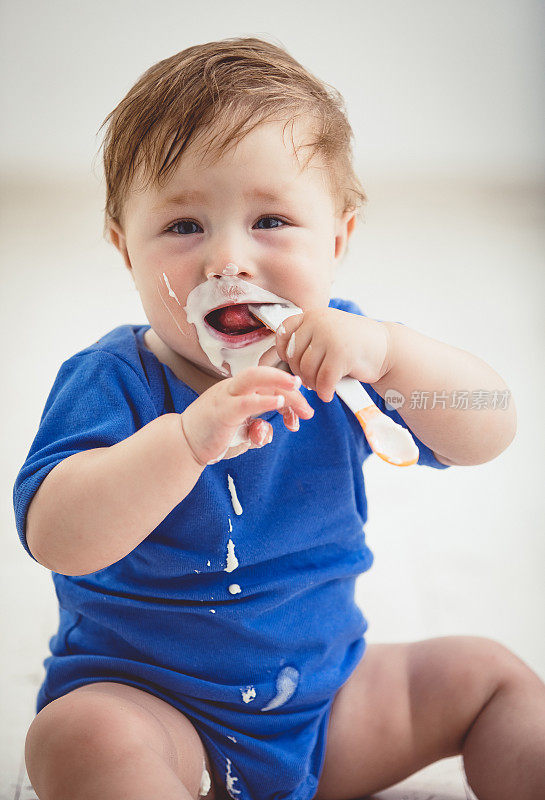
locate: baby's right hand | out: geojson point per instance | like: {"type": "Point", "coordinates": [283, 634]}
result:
{"type": "Point", "coordinates": [211, 421]}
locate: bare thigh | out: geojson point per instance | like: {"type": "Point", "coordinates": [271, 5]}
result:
{"type": "Point", "coordinates": [406, 706]}
{"type": "Point", "coordinates": [114, 716]}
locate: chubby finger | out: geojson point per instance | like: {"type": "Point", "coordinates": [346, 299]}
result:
{"type": "Point", "coordinates": [295, 347]}
{"type": "Point", "coordinates": [260, 432]}
{"type": "Point", "coordinates": [291, 420]}
{"type": "Point", "coordinates": [310, 363]}
{"type": "Point", "coordinates": [267, 379]}
{"type": "Point", "coordinates": [300, 405]}
{"type": "Point", "coordinates": [234, 410]}
{"type": "Point", "coordinates": [327, 378]}
{"type": "Point", "coordinates": [284, 333]}
{"type": "Point", "coordinates": [260, 383]}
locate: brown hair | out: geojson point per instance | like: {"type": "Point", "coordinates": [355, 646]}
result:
{"type": "Point", "coordinates": [243, 82]}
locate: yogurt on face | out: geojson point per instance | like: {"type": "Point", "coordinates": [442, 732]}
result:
{"type": "Point", "coordinates": [220, 291]}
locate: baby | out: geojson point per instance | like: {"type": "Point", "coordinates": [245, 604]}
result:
{"type": "Point", "coordinates": [204, 543]}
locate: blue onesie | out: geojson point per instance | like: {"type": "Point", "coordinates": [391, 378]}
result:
{"type": "Point", "coordinates": [255, 671]}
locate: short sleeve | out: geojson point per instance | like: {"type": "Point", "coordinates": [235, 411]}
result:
{"type": "Point", "coordinates": [97, 400]}
{"type": "Point", "coordinates": [426, 456]}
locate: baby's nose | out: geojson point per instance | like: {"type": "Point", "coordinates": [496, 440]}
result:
{"type": "Point", "coordinates": [228, 270]}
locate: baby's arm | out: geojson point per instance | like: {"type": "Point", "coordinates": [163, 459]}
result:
{"type": "Point", "coordinates": [324, 344]}
{"type": "Point", "coordinates": [458, 435]}
{"type": "Point", "coordinates": [96, 506]}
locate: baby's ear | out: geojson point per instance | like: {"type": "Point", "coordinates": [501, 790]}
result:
{"type": "Point", "coordinates": [118, 239]}
{"type": "Point", "coordinates": [344, 227]}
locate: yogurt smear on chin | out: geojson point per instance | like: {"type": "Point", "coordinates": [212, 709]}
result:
{"type": "Point", "coordinates": [219, 291]}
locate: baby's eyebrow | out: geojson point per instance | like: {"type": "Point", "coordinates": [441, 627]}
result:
{"type": "Point", "coordinates": [194, 196]}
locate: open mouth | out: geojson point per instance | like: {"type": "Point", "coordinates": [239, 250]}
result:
{"type": "Point", "coordinates": [235, 320]}
{"type": "Point", "coordinates": [235, 325]}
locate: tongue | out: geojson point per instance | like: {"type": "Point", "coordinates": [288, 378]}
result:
{"type": "Point", "coordinates": [236, 319]}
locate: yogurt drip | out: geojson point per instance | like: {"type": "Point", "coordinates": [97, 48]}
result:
{"type": "Point", "coordinates": [286, 684]}
{"type": "Point", "coordinates": [234, 498]}
{"type": "Point", "coordinates": [232, 560]}
{"type": "Point", "coordinates": [248, 694]}
{"type": "Point", "coordinates": [206, 783]}
{"type": "Point", "coordinates": [230, 781]}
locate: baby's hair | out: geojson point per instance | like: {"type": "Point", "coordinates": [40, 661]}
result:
{"type": "Point", "coordinates": [219, 92]}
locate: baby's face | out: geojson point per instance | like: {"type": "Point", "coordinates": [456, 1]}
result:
{"type": "Point", "coordinates": [253, 213]}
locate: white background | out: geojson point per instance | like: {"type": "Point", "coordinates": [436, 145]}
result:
{"type": "Point", "coordinates": [430, 84]}
{"type": "Point", "coordinates": [447, 105]}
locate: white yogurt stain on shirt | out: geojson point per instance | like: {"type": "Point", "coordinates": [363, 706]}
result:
{"type": "Point", "coordinates": [171, 291]}
{"type": "Point", "coordinates": [208, 563]}
{"type": "Point", "coordinates": [206, 783]}
{"type": "Point", "coordinates": [214, 293]}
{"type": "Point", "coordinates": [286, 684]}
{"type": "Point", "coordinates": [230, 525]}
{"type": "Point", "coordinates": [230, 780]}
{"type": "Point", "coordinates": [232, 560]}
{"type": "Point", "coordinates": [234, 588]}
{"type": "Point", "coordinates": [212, 610]}
{"type": "Point", "coordinates": [232, 738]}
{"type": "Point", "coordinates": [248, 694]}
{"type": "Point", "coordinates": [234, 499]}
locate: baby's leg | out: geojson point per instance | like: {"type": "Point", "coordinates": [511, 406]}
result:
{"type": "Point", "coordinates": [408, 705]}
{"type": "Point", "coordinates": [111, 740]}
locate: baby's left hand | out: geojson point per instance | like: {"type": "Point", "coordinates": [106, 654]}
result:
{"type": "Point", "coordinates": [322, 345]}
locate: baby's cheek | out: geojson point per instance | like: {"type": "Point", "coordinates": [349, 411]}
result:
{"type": "Point", "coordinates": [309, 276]}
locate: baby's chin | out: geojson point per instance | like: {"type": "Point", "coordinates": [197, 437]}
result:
{"type": "Point", "coordinates": [270, 358]}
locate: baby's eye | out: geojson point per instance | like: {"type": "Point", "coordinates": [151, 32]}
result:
{"type": "Point", "coordinates": [182, 226]}
{"type": "Point", "coordinates": [268, 220]}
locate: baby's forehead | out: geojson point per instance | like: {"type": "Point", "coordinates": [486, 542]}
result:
{"type": "Point", "coordinates": [270, 162]}
{"type": "Point", "coordinates": [291, 139]}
